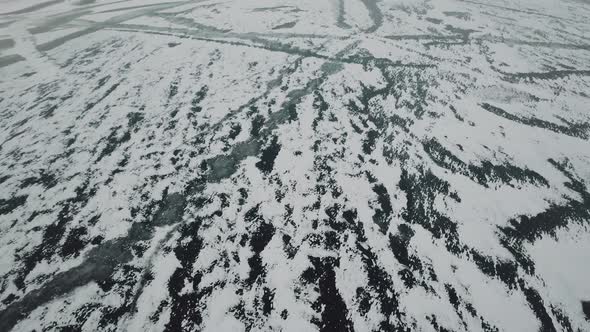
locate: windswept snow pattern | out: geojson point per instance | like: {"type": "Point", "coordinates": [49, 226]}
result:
{"type": "Point", "coordinates": [265, 165]}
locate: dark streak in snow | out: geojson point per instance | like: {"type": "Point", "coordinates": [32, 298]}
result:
{"type": "Point", "coordinates": [269, 154]}
{"type": "Point", "coordinates": [575, 130]}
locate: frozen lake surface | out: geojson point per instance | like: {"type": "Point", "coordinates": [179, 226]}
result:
{"type": "Point", "coordinates": [265, 165]}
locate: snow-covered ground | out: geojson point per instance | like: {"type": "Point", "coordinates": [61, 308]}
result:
{"type": "Point", "coordinates": [295, 165]}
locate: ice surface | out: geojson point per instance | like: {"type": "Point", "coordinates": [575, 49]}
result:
{"type": "Point", "coordinates": [366, 165]}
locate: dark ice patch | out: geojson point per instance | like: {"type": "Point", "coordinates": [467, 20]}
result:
{"type": "Point", "coordinates": [586, 309]}
{"type": "Point", "coordinates": [374, 13]}
{"type": "Point", "coordinates": [235, 130]}
{"type": "Point", "coordinates": [536, 303]}
{"type": "Point", "coordinates": [399, 244]}
{"type": "Point", "coordinates": [33, 8]}
{"type": "Point", "coordinates": [334, 314]}
{"type": "Point", "coordinates": [4, 178]}
{"type": "Point", "coordinates": [277, 8]}
{"type": "Point", "coordinates": [102, 82]}
{"type": "Point", "coordinates": [383, 214]}
{"type": "Point", "coordinates": [433, 20]}
{"type": "Point", "coordinates": [184, 306]}
{"type": "Point", "coordinates": [75, 242]}
{"type": "Point", "coordinates": [506, 271]}
{"type": "Point", "coordinates": [579, 130]}
{"type": "Point", "coordinates": [340, 13]}
{"type": "Point", "coordinates": [8, 60]}
{"type": "Point", "coordinates": [460, 15]}
{"type": "Point", "coordinates": [49, 111]}
{"type": "Point", "coordinates": [421, 190]}
{"type": "Point", "coordinates": [333, 219]}
{"type": "Point", "coordinates": [9, 205]}
{"type": "Point", "coordinates": [6, 43]}
{"type": "Point", "coordinates": [222, 167]}
{"type": "Point", "coordinates": [485, 173]}
{"type": "Point", "coordinates": [171, 210]}
{"type": "Point", "coordinates": [562, 318]}
{"type": "Point", "coordinates": [267, 301]}
{"type": "Point", "coordinates": [332, 240]}
{"type": "Point", "coordinates": [288, 247]}
{"type": "Point", "coordinates": [530, 228]}
{"type": "Point", "coordinates": [363, 298]}
{"type": "Point", "coordinates": [257, 122]}
{"type": "Point", "coordinates": [133, 118]}
{"type": "Point", "coordinates": [47, 180]}
{"type": "Point", "coordinates": [243, 196]}
{"type": "Point", "coordinates": [321, 107]}
{"type": "Point", "coordinates": [99, 265]}
{"type": "Point", "coordinates": [550, 75]}
{"type": "Point", "coordinates": [258, 241]}
{"type": "Point", "coordinates": [437, 327]}
{"type": "Point", "coordinates": [113, 141]}
{"type": "Point", "coordinates": [287, 25]}
{"type": "Point", "coordinates": [369, 141]}
{"type": "Point", "coordinates": [173, 90]}
{"type": "Point", "coordinates": [292, 114]}
{"type": "Point", "coordinates": [107, 93]}
{"type": "Point", "coordinates": [452, 294]}
{"type": "Point", "coordinates": [269, 154]}
{"type": "Point", "coordinates": [381, 283]}
{"type": "Point", "coordinates": [198, 98]}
